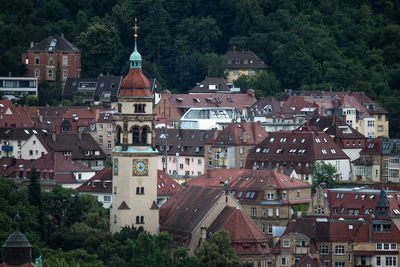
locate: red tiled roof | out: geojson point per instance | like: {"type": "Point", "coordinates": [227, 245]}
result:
{"type": "Point", "coordinates": [166, 186]}
{"type": "Point", "coordinates": [285, 146]}
{"type": "Point", "coordinates": [99, 183]}
{"type": "Point", "coordinates": [372, 147]}
{"type": "Point", "coordinates": [247, 179]}
{"type": "Point", "coordinates": [5, 105]}
{"type": "Point", "coordinates": [25, 110]}
{"type": "Point", "coordinates": [16, 121]}
{"type": "Point", "coordinates": [135, 79]}
{"type": "Point", "coordinates": [244, 235]}
{"type": "Point", "coordinates": [233, 134]}
{"type": "Point", "coordinates": [307, 260]}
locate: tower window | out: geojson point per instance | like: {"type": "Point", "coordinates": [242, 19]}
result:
{"type": "Point", "coordinates": [135, 135]}
{"type": "Point", "coordinates": [144, 135]}
{"type": "Point", "coordinates": [140, 108]}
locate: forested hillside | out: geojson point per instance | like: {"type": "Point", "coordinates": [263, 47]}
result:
{"type": "Point", "coordinates": [315, 45]}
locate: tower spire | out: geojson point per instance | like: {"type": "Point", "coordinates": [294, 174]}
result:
{"type": "Point", "coordinates": [135, 58]}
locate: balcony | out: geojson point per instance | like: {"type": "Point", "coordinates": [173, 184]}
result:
{"type": "Point", "coordinates": [7, 148]}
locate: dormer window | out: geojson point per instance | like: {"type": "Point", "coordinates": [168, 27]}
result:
{"type": "Point", "coordinates": [140, 108]}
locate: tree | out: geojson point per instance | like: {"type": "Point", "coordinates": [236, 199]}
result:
{"type": "Point", "coordinates": [323, 173]}
{"type": "Point", "coordinates": [182, 259]}
{"type": "Point", "coordinates": [217, 252]}
{"type": "Point", "coordinates": [35, 192]}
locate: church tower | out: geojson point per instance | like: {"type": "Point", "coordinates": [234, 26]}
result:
{"type": "Point", "coordinates": [134, 196]}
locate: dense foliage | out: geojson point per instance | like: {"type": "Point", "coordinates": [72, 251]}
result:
{"type": "Point", "coordinates": [323, 172]}
{"type": "Point", "coordinates": [316, 45]}
{"type": "Point", "coordinates": [73, 230]}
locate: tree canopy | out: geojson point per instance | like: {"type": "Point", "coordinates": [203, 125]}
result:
{"type": "Point", "coordinates": [323, 172]}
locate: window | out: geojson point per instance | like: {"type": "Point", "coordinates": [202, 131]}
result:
{"type": "Point", "coordinates": [284, 261]}
{"type": "Point", "coordinates": [51, 60]}
{"type": "Point", "coordinates": [107, 198]}
{"type": "Point", "coordinates": [339, 250]}
{"type": "Point", "coordinates": [209, 149]}
{"type": "Point", "coordinates": [241, 150]}
{"type": "Point", "coordinates": [323, 249]}
{"type": "Point", "coordinates": [385, 227]}
{"type": "Point", "coordinates": [277, 212]}
{"type": "Point", "coordinates": [380, 128]}
{"type": "Point", "coordinates": [100, 126]}
{"type": "Point", "coordinates": [216, 155]}
{"type": "Point", "coordinates": [284, 195]}
{"type": "Point", "coordinates": [37, 60]}
{"type": "Point", "coordinates": [241, 164]}
{"type": "Point", "coordinates": [37, 72]}
{"type": "Point", "coordinates": [65, 60]}
{"type": "Point", "coordinates": [371, 124]}
{"type": "Point", "coordinates": [30, 152]}
{"type": "Point", "coordinates": [269, 228]}
{"type": "Point", "coordinates": [340, 264]}
{"type": "Point", "coordinates": [181, 166]}
{"type": "Point", "coordinates": [254, 211]}
{"type": "Point", "coordinates": [199, 161]}
{"type": "Point", "coordinates": [108, 144]}
{"type": "Point", "coordinates": [209, 162]}
{"type": "Point", "coordinates": [100, 139]}
{"type": "Point", "coordinates": [65, 74]}
{"type": "Point", "coordinates": [270, 196]}
{"type": "Point", "coordinates": [262, 228]}
{"type": "Point", "coordinates": [50, 73]}
{"type": "Point", "coordinates": [263, 212]}
{"type": "Point", "coordinates": [270, 212]}
{"type": "Point", "coordinates": [391, 261]}
{"type": "Point", "coordinates": [286, 243]}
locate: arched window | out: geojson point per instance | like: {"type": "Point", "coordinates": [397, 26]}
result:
{"type": "Point", "coordinates": [141, 219]}
{"type": "Point", "coordinates": [137, 220]}
{"type": "Point", "coordinates": [144, 136]}
{"type": "Point", "coordinates": [142, 190]}
{"type": "Point", "coordinates": [118, 139]}
{"type": "Point", "coordinates": [135, 135]}
{"type": "Point", "coordinates": [119, 107]}
{"type": "Point", "coordinates": [137, 191]}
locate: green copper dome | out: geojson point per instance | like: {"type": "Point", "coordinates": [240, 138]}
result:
{"type": "Point", "coordinates": [135, 59]}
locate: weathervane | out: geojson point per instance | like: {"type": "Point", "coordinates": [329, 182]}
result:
{"type": "Point", "coordinates": [135, 28]}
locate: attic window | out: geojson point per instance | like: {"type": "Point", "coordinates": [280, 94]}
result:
{"type": "Point", "coordinates": [323, 151]}
{"type": "Point", "coordinates": [283, 140]}
{"type": "Point", "coordinates": [179, 99]}
{"type": "Point", "coordinates": [371, 145]}
{"type": "Point", "coordinates": [333, 151]}
{"type": "Point", "coordinates": [279, 151]}
{"type": "Point", "coordinates": [196, 100]}
{"type": "Point", "coordinates": [303, 140]}
{"type": "Point", "coordinates": [294, 140]}
{"type": "Point", "coordinates": [317, 140]}
{"type": "Point", "coordinates": [240, 194]}
{"type": "Point", "coordinates": [218, 100]}
{"type": "Point", "coordinates": [258, 150]}
{"type": "Point", "coordinates": [266, 150]}
{"type": "Point", "coordinates": [197, 149]}
{"type": "Point", "coordinates": [209, 99]}
{"type": "Point", "coordinates": [230, 100]}
{"type": "Point", "coordinates": [271, 140]}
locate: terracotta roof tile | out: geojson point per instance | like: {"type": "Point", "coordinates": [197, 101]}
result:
{"type": "Point", "coordinates": [101, 182]}
{"type": "Point", "coordinates": [166, 186]}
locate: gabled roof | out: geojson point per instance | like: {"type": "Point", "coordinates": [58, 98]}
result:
{"type": "Point", "coordinates": [101, 182]}
{"type": "Point", "coordinates": [212, 100]}
{"type": "Point", "coordinates": [372, 147]}
{"type": "Point", "coordinates": [239, 134]}
{"type": "Point", "coordinates": [244, 234]}
{"type": "Point", "coordinates": [307, 260]}
{"type": "Point", "coordinates": [186, 142]}
{"type": "Point", "coordinates": [187, 208]}
{"type": "Point", "coordinates": [211, 85]}
{"type": "Point", "coordinates": [334, 126]}
{"type": "Point", "coordinates": [54, 44]}
{"type": "Point", "coordinates": [17, 133]}
{"type": "Point", "coordinates": [247, 179]}
{"type": "Point", "coordinates": [166, 186]}
{"type": "Point", "coordinates": [261, 108]}
{"type": "Point", "coordinates": [243, 60]}
{"type": "Point", "coordinates": [16, 121]}
{"type": "Point", "coordinates": [301, 145]}
{"type": "Point", "coordinates": [6, 105]}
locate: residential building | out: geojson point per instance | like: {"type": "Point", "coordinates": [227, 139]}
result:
{"type": "Point", "coordinates": [76, 120]}
{"type": "Point", "coordinates": [355, 108]}
{"type": "Point", "coordinates": [299, 149]}
{"type": "Point", "coordinates": [13, 88]}
{"type": "Point", "coordinates": [41, 59]}
{"type": "Point", "coordinates": [181, 152]}
{"type": "Point", "coordinates": [52, 168]}
{"type": "Point", "coordinates": [195, 212]}
{"type": "Point", "coordinates": [134, 155]}
{"type": "Point", "coordinates": [269, 197]}
{"type": "Point", "coordinates": [390, 164]}
{"type": "Point", "coordinates": [214, 85]}
{"type": "Point", "coordinates": [166, 187]}
{"type": "Point", "coordinates": [369, 166]}
{"type": "Point", "coordinates": [14, 139]}
{"type": "Point", "coordinates": [242, 63]}
{"type": "Point", "coordinates": [104, 132]}
{"type": "Point", "coordinates": [274, 115]}
{"type": "Point", "coordinates": [174, 106]}
{"type": "Point", "coordinates": [102, 90]}
{"type": "Point", "coordinates": [228, 148]}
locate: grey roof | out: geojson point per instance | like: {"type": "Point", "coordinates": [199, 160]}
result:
{"type": "Point", "coordinates": [54, 44]}
{"type": "Point", "coordinates": [102, 86]}
{"type": "Point", "coordinates": [186, 142]}
{"type": "Point", "coordinates": [243, 60]}
{"type": "Point", "coordinates": [219, 84]}
{"type": "Point", "coordinates": [17, 133]}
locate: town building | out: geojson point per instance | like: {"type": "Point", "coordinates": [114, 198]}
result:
{"type": "Point", "coordinates": [206, 107]}
{"type": "Point", "coordinates": [42, 60]}
{"type": "Point", "coordinates": [274, 115]}
{"type": "Point", "coordinates": [228, 148]}
{"type": "Point", "coordinates": [269, 197]}
{"type": "Point", "coordinates": [299, 149]}
{"type": "Point", "coordinates": [242, 62]}
{"type": "Point", "coordinates": [214, 85]}
{"type": "Point", "coordinates": [369, 166]}
{"type": "Point", "coordinates": [13, 139]}
{"type": "Point", "coordinates": [134, 156]}
{"type": "Point", "coordinates": [13, 88]}
{"type": "Point", "coordinates": [195, 212]}
{"type": "Point", "coordinates": [181, 152]}
{"type": "Point", "coordinates": [76, 120]}
{"type": "Point", "coordinates": [355, 108]}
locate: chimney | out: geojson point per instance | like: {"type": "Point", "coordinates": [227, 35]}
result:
{"type": "Point", "coordinates": [97, 114]}
{"type": "Point", "coordinates": [32, 44]}
{"type": "Point", "coordinates": [41, 118]}
{"type": "Point", "coordinates": [53, 136]}
{"type": "Point", "coordinates": [203, 234]}
{"type": "Point", "coordinates": [251, 92]}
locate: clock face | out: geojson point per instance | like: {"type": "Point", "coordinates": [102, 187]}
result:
{"type": "Point", "coordinates": [140, 167]}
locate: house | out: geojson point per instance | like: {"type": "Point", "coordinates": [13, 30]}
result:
{"type": "Point", "coordinates": [13, 88]}
{"type": "Point", "coordinates": [166, 187]}
{"type": "Point", "coordinates": [346, 137]}
{"type": "Point", "coordinates": [52, 168]}
{"type": "Point", "coordinates": [174, 106]}
{"type": "Point", "coordinates": [102, 90]}
{"type": "Point", "coordinates": [181, 152]}
{"type": "Point", "coordinates": [229, 147]}
{"type": "Point", "coordinates": [242, 62]}
{"type": "Point", "coordinates": [369, 166]}
{"type": "Point", "coordinates": [13, 139]}
{"type": "Point", "coordinates": [355, 108]}
{"type": "Point", "coordinates": [214, 85]}
{"type": "Point", "coordinates": [194, 212]}
{"type": "Point", "coordinates": [99, 186]}
{"type": "Point", "coordinates": [269, 197]}
{"type": "Point", "coordinates": [351, 202]}
{"type": "Point", "coordinates": [274, 115]}
{"type": "Point", "coordinates": [299, 149]}
{"type": "Point", "coordinates": [41, 59]}
{"type": "Point", "coordinates": [371, 240]}
{"type": "Point", "coordinates": [81, 148]}
{"type": "Point", "coordinates": [76, 120]}
{"type": "Point", "coordinates": [47, 117]}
